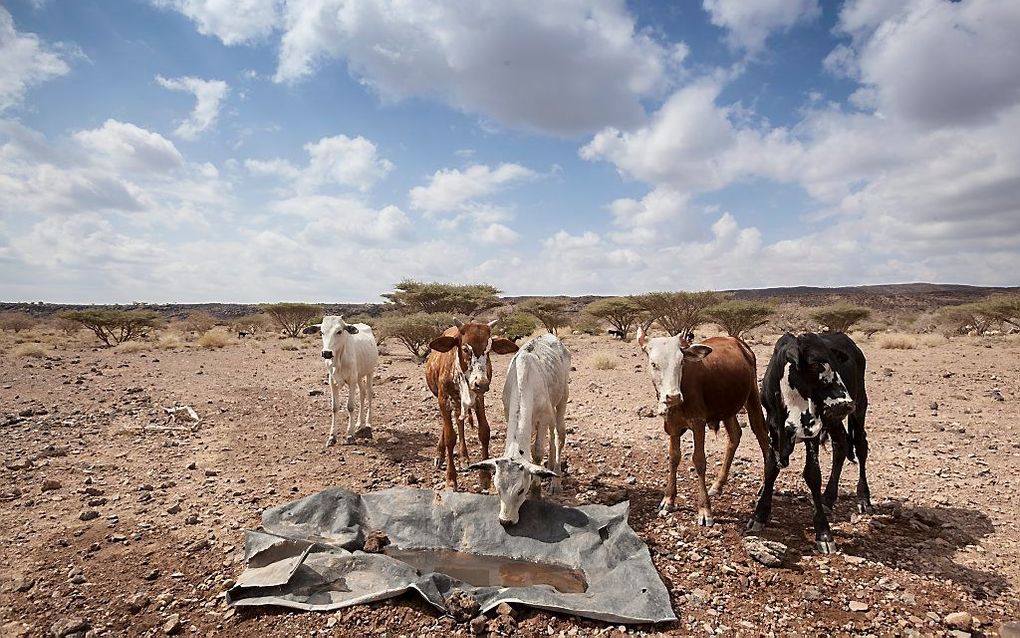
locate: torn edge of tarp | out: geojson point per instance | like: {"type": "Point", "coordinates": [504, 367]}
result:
{"type": "Point", "coordinates": [307, 556]}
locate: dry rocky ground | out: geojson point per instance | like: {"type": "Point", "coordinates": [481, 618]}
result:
{"type": "Point", "coordinates": [119, 528]}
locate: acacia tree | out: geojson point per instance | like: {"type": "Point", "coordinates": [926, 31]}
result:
{"type": "Point", "coordinates": [1005, 309]}
{"type": "Point", "coordinates": [415, 330]}
{"type": "Point", "coordinates": [292, 317]}
{"type": "Point", "coordinates": [199, 322]}
{"type": "Point", "coordinates": [252, 324]}
{"type": "Point", "coordinates": [514, 326]}
{"type": "Point", "coordinates": [115, 326]}
{"type": "Point", "coordinates": [737, 317]}
{"type": "Point", "coordinates": [411, 296]}
{"type": "Point", "coordinates": [840, 317]}
{"type": "Point", "coordinates": [677, 312]}
{"type": "Point", "coordinates": [551, 312]}
{"type": "Point", "coordinates": [622, 313]}
{"type": "Point", "coordinates": [16, 321]}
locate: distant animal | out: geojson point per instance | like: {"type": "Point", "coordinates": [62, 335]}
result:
{"type": "Point", "coordinates": [812, 383]}
{"type": "Point", "coordinates": [619, 334]}
{"type": "Point", "coordinates": [350, 353]}
{"type": "Point", "coordinates": [241, 333]}
{"type": "Point", "coordinates": [535, 397]}
{"type": "Point", "coordinates": [458, 372]}
{"type": "Point", "coordinates": [698, 385]}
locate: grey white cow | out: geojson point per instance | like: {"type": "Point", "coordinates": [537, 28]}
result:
{"type": "Point", "coordinates": [535, 397]}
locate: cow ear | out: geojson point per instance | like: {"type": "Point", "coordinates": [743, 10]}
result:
{"type": "Point", "coordinates": [457, 322]}
{"type": "Point", "coordinates": [314, 329]}
{"type": "Point", "coordinates": [443, 344]}
{"type": "Point", "coordinates": [503, 346]}
{"type": "Point", "coordinates": [351, 329]}
{"type": "Point", "coordinates": [493, 322]}
{"type": "Point", "coordinates": [696, 352]}
{"type": "Point", "coordinates": [489, 465]}
{"type": "Point", "coordinates": [540, 471]}
{"type": "Point", "coordinates": [642, 339]}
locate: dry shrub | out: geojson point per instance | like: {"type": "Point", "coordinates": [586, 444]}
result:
{"type": "Point", "coordinates": [169, 342]}
{"type": "Point", "coordinates": [131, 347]}
{"type": "Point", "coordinates": [894, 341]}
{"type": "Point", "coordinates": [289, 345]}
{"type": "Point", "coordinates": [931, 341]}
{"type": "Point", "coordinates": [214, 339]}
{"type": "Point", "coordinates": [603, 362]}
{"type": "Point", "coordinates": [35, 350]}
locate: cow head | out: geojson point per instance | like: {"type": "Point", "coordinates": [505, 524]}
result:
{"type": "Point", "coordinates": [513, 479]}
{"type": "Point", "coordinates": [334, 334]}
{"type": "Point", "coordinates": [474, 342]}
{"type": "Point", "coordinates": [811, 391]}
{"type": "Point", "coordinates": [666, 358]}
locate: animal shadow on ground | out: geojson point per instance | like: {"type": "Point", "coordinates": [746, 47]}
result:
{"type": "Point", "coordinates": [918, 539]}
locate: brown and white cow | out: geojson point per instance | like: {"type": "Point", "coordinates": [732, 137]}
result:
{"type": "Point", "coordinates": [458, 373]}
{"type": "Point", "coordinates": [698, 385]}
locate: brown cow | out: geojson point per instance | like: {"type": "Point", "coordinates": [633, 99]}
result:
{"type": "Point", "coordinates": [697, 385]}
{"type": "Point", "coordinates": [458, 372]}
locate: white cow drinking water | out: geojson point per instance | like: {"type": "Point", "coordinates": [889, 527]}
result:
{"type": "Point", "coordinates": [350, 353]}
{"type": "Point", "coordinates": [534, 404]}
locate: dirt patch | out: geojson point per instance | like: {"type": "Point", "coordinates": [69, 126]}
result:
{"type": "Point", "coordinates": [171, 503]}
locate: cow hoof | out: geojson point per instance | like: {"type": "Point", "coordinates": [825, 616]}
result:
{"type": "Point", "coordinates": [705, 521]}
{"type": "Point", "coordinates": [825, 547]}
{"type": "Point", "coordinates": [451, 486]}
{"type": "Point", "coordinates": [665, 507]}
{"type": "Point", "coordinates": [755, 526]}
{"type": "Point", "coordinates": [438, 463]}
{"type": "Point", "coordinates": [330, 441]}
{"type": "Point", "coordinates": [715, 490]}
{"type": "Point", "coordinates": [865, 507]}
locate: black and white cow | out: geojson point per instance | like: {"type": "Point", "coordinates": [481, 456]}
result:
{"type": "Point", "coordinates": [812, 383]}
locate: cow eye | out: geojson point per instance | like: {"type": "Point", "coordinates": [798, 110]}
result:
{"type": "Point", "coordinates": [816, 367]}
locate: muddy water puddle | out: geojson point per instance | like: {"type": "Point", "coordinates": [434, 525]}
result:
{"type": "Point", "coordinates": [492, 571]}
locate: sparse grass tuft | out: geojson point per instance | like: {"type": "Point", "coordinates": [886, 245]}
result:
{"type": "Point", "coordinates": [34, 350]}
{"type": "Point", "coordinates": [894, 341]}
{"type": "Point", "coordinates": [289, 346]}
{"type": "Point", "coordinates": [131, 347]}
{"type": "Point", "coordinates": [214, 338]}
{"type": "Point", "coordinates": [169, 342]}
{"type": "Point", "coordinates": [603, 362]}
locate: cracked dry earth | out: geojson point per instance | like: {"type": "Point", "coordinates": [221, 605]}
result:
{"type": "Point", "coordinates": [116, 529]}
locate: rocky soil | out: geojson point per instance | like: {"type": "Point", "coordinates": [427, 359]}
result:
{"type": "Point", "coordinates": [116, 522]}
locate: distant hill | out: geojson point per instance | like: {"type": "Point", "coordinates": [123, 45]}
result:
{"type": "Point", "coordinates": [914, 297]}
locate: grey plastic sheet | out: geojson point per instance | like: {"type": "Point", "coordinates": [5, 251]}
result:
{"type": "Point", "coordinates": [308, 554]}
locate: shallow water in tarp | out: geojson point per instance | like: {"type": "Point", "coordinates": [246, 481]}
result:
{"type": "Point", "coordinates": [491, 571]}
{"type": "Point", "coordinates": [308, 555]}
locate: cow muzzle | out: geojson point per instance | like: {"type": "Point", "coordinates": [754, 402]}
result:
{"type": "Point", "coordinates": [669, 401]}
{"type": "Point", "coordinates": [327, 354]}
{"type": "Point", "coordinates": [837, 409]}
{"type": "Point", "coordinates": [479, 387]}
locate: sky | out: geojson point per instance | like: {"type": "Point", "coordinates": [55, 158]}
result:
{"type": "Point", "coordinates": [323, 150]}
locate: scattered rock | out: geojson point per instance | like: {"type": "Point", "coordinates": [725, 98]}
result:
{"type": "Point", "coordinates": [856, 605]}
{"type": "Point", "coordinates": [375, 542]}
{"type": "Point", "coordinates": [172, 624]}
{"type": "Point", "coordinates": [958, 620]}
{"type": "Point", "coordinates": [152, 575]}
{"type": "Point", "coordinates": [192, 466]}
{"type": "Point", "coordinates": [137, 603]}
{"type": "Point", "coordinates": [23, 584]}
{"type": "Point", "coordinates": [50, 484]}
{"type": "Point", "coordinates": [93, 491]}
{"type": "Point", "coordinates": [504, 609]}
{"type": "Point", "coordinates": [768, 553]}
{"type": "Point", "coordinates": [212, 472]}
{"type": "Point", "coordinates": [392, 440]}
{"type": "Point", "coordinates": [934, 405]}
{"type": "Point", "coordinates": [1009, 630]}
{"type": "Point", "coordinates": [364, 432]}
{"type": "Point", "coordinates": [174, 509]}
{"type": "Point", "coordinates": [88, 515]}
{"type": "Point", "coordinates": [192, 519]}
{"type": "Point", "coordinates": [997, 395]}
{"type": "Point", "coordinates": [68, 626]}
{"type": "Point", "coordinates": [811, 593]}
{"type": "Point", "coordinates": [462, 606]}
{"type": "Point", "coordinates": [646, 411]}
{"type": "Point", "coordinates": [477, 624]}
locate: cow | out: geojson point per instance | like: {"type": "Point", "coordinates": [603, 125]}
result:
{"type": "Point", "coordinates": [619, 334]}
{"type": "Point", "coordinates": [350, 353]}
{"type": "Point", "coordinates": [458, 372]}
{"type": "Point", "coordinates": [241, 334]}
{"type": "Point", "coordinates": [812, 383]}
{"type": "Point", "coordinates": [698, 385]}
{"type": "Point", "coordinates": [535, 395]}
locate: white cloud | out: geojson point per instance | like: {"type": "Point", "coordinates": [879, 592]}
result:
{"type": "Point", "coordinates": [497, 234]}
{"type": "Point", "coordinates": [351, 162]}
{"type": "Point", "coordinates": [27, 61]}
{"type": "Point", "coordinates": [232, 21]}
{"type": "Point", "coordinates": [209, 96]}
{"type": "Point", "coordinates": [452, 189]}
{"type": "Point", "coordinates": [336, 220]}
{"type": "Point", "coordinates": [128, 147]}
{"type": "Point", "coordinates": [278, 168]}
{"type": "Point", "coordinates": [749, 23]}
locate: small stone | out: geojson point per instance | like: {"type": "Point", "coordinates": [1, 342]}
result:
{"type": "Point", "coordinates": [68, 626]}
{"type": "Point", "coordinates": [50, 484]}
{"type": "Point", "coordinates": [1009, 630]}
{"type": "Point", "coordinates": [192, 519]}
{"type": "Point", "coordinates": [504, 609]}
{"type": "Point", "coordinates": [192, 466]}
{"type": "Point", "coordinates": [172, 624]}
{"type": "Point", "coordinates": [137, 603]}
{"type": "Point", "coordinates": [23, 584]}
{"type": "Point", "coordinates": [811, 593]}
{"type": "Point", "coordinates": [477, 624]}
{"type": "Point", "coordinates": [853, 560]}
{"type": "Point", "coordinates": [315, 393]}
{"type": "Point", "coordinates": [211, 472]}
{"type": "Point", "coordinates": [768, 553]}
{"type": "Point", "coordinates": [93, 491]}
{"type": "Point", "coordinates": [462, 606]}
{"type": "Point", "coordinates": [375, 542]}
{"type": "Point", "coordinates": [997, 395]}
{"type": "Point", "coordinates": [152, 575]}
{"type": "Point", "coordinates": [88, 515]}
{"type": "Point", "coordinates": [174, 509]}
{"type": "Point", "coordinates": [934, 405]}
{"type": "Point", "coordinates": [392, 440]}
{"type": "Point", "coordinates": [856, 605]}
{"type": "Point", "coordinates": [78, 580]}
{"type": "Point", "coordinates": [958, 620]}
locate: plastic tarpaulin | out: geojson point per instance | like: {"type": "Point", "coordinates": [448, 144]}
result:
{"type": "Point", "coordinates": [308, 554]}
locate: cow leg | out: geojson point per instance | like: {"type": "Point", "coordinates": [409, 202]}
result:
{"type": "Point", "coordinates": [440, 446]}
{"type": "Point", "coordinates": [838, 436]}
{"type": "Point", "coordinates": [668, 503]}
{"type": "Point", "coordinates": [557, 432]}
{"type": "Point", "coordinates": [334, 407]}
{"type": "Point", "coordinates": [813, 478]}
{"type": "Point", "coordinates": [366, 401]}
{"type": "Point", "coordinates": [458, 414]}
{"type": "Point", "coordinates": [350, 414]}
{"type": "Point", "coordinates": [700, 466]}
{"type": "Point", "coordinates": [763, 508]}
{"type": "Point", "coordinates": [449, 440]}
{"type": "Point", "coordinates": [864, 505]}
{"type": "Point", "coordinates": [484, 477]}
{"type": "Point", "coordinates": [732, 441]}
{"type": "Point", "coordinates": [757, 423]}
